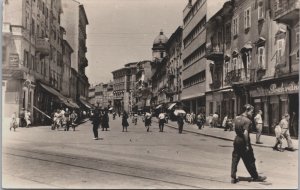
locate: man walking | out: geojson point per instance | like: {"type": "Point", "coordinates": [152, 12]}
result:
{"type": "Point", "coordinates": [259, 124]}
{"type": "Point", "coordinates": [180, 123]}
{"type": "Point", "coordinates": [162, 121]}
{"type": "Point", "coordinates": [242, 146]}
{"type": "Point", "coordinates": [284, 124]}
{"type": "Point", "coordinates": [96, 123]}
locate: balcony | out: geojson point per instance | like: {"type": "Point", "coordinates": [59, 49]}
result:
{"type": "Point", "coordinates": [43, 46]}
{"type": "Point", "coordinates": [233, 76]}
{"type": "Point", "coordinates": [215, 85]}
{"type": "Point", "coordinates": [287, 11]}
{"type": "Point", "coordinates": [214, 52]}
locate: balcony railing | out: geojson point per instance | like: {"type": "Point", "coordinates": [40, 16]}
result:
{"type": "Point", "coordinates": [286, 11]}
{"type": "Point", "coordinates": [43, 46]}
{"type": "Point", "coordinates": [214, 52]}
{"type": "Point", "coordinates": [233, 76]}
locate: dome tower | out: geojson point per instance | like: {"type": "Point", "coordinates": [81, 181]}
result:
{"type": "Point", "coordinates": [159, 46]}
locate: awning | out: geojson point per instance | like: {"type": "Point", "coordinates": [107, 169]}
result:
{"type": "Point", "coordinates": [73, 103]}
{"type": "Point", "coordinates": [260, 41]}
{"type": "Point", "coordinates": [158, 106]}
{"type": "Point", "coordinates": [171, 106]}
{"type": "Point", "coordinates": [246, 47]}
{"type": "Point", "coordinates": [85, 103]}
{"type": "Point", "coordinates": [63, 99]}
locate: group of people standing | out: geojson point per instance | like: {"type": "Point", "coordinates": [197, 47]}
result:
{"type": "Point", "coordinates": [24, 119]}
{"type": "Point", "coordinates": [64, 118]}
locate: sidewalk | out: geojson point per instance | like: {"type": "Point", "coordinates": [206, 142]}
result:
{"type": "Point", "coordinates": [268, 141]}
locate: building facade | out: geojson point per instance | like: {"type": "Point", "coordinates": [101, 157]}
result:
{"type": "Point", "coordinates": [92, 96]}
{"type": "Point", "coordinates": [195, 16]}
{"type": "Point", "coordinates": [123, 87]}
{"type": "Point", "coordinates": [158, 80]}
{"type": "Point", "coordinates": [143, 91]}
{"type": "Point", "coordinates": [219, 94]}
{"type": "Point", "coordinates": [74, 20]}
{"type": "Point", "coordinates": [33, 57]}
{"type": "Point", "coordinates": [174, 66]}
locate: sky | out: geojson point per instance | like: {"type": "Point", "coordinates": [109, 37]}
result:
{"type": "Point", "coordinates": [122, 31]}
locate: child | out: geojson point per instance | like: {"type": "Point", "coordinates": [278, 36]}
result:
{"type": "Point", "coordinates": [279, 137]}
{"type": "Point", "coordinates": [13, 122]}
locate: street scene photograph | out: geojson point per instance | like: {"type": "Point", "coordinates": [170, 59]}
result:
{"type": "Point", "coordinates": [150, 94]}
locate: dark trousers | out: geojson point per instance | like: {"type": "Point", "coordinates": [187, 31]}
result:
{"type": "Point", "coordinates": [68, 123]}
{"type": "Point", "coordinates": [239, 151]}
{"type": "Point", "coordinates": [180, 127]}
{"type": "Point", "coordinates": [95, 130]}
{"type": "Point", "coordinates": [161, 125]}
{"type": "Point", "coordinates": [23, 122]}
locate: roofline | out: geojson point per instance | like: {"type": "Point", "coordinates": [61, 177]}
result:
{"type": "Point", "coordinates": [178, 30]}
{"type": "Point", "coordinates": [84, 13]}
{"type": "Point", "coordinates": [124, 68]}
{"type": "Point", "coordinates": [67, 43]}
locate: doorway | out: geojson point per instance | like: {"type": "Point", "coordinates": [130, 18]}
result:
{"type": "Point", "coordinates": [294, 113]}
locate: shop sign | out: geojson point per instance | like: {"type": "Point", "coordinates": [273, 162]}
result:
{"type": "Point", "coordinates": [275, 89]}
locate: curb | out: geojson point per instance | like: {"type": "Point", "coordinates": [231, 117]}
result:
{"type": "Point", "coordinates": [217, 137]}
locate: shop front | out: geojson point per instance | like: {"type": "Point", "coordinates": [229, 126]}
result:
{"type": "Point", "coordinates": [276, 98]}
{"type": "Point", "coordinates": [223, 102]}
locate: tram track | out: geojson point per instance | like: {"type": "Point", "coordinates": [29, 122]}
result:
{"type": "Point", "coordinates": [116, 168]}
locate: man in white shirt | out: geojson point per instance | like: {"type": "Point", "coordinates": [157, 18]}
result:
{"type": "Point", "coordinates": [162, 121]}
{"type": "Point", "coordinates": [259, 124]}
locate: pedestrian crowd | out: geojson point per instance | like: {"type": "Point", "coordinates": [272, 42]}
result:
{"type": "Point", "coordinates": [242, 125]}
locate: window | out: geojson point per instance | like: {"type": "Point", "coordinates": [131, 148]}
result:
{"type": "Point", "coordinates": [33, 62]}
{"type": "Point", "coordinates": [261, 57]}
{"type": "Point", "coordinates": [211, 105]}
{"type": "Point", "coordinates": [247, 18]}
{"type": "Point", "coordinates": [32, 27]}
{"type": "Point", "coordinates": [25, 58]}
{"type": "Point", "coordinates": [234, 62]}
{"type": "Point", "coordinates": [235, 26]}
{"type": "Point", "coordinates": [228, 33]}
{"type": "Point", "coordinates": [38, 31]}
{"type": "Point", "coordinates": [297, 44]}
{"type": "Point", "coordinates": [280, 46]}
{"type": "Point", "coordinates": [27, 25]}
{"type": "Point", "coordinates": [226, 69]}
{"type": "Point", "coordinates": [260, 10]}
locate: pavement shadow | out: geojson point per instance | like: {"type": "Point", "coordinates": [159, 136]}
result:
{"type": "Point", "coordinates": [241, 178]}
{"type": "Point", "coordinates": [226, 146]}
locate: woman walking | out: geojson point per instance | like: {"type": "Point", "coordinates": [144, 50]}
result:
{"type": "Point", "coordinates": [124, 121]}
{"type": "Point", "coordinates": [96, 123]}
{"type": "Point", "coordinates": [180, 123]}
{"type": "Point", "coordinates": [27, 118]}
{"type": "Point", "coordinates": [147, 121]}
{"type": "Point", "coordinates": [105, 121]}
